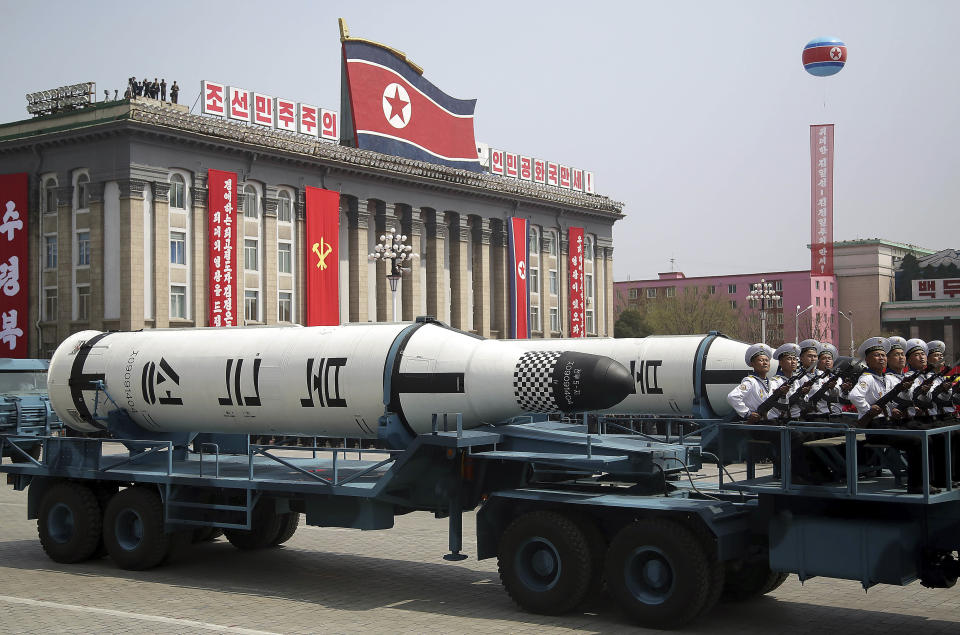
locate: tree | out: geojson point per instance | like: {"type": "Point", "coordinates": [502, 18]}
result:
{"type": "Point", "coordinates": [693, 311]}
{"type": "Point", "coordinates": [631, 323]}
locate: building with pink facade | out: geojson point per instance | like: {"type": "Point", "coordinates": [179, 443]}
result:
{"type": "Point", "coordinates": [813, 296]}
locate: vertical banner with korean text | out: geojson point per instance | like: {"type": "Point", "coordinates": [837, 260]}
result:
{"type": "Point", "coordinates": [519, 293]}
{"type": "Point", "coordinates": [821, 200]}
{"type": "Point", "coordinates": [323, 257]}
{"type": "Point", "coordinates": [578, 309]}
{"type": "Point", "coordinates": [14, 260]}
{"type": "Point", "coordinates": [221, 233]}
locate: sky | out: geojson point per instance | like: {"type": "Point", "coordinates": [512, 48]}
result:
{"type": "Point", "coordinates": [694, 114]}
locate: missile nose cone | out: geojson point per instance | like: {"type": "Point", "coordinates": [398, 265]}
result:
{"type": "Point", "coordinates": [584, 382]}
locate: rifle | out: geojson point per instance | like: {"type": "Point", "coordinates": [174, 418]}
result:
{"type": "Point", "coordinates": [771, 401]}
{"type": "Point", "coordinates": [924, 387]}
{"type": "Point", "coordinates": [797, 396]}
{"type": "Point", "coordinates": [948, 380]}
{"type": "Point", "coordinates": [846, 370]}
{"type": "Point", "coordinates": [882, 402]}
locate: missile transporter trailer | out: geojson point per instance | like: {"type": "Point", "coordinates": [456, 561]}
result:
{"type": "Point", "coordinates": [25, 410]}
{"type": "Point", "coordinates": [567, 513]}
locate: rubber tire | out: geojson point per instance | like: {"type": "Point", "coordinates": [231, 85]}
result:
{"type": "Point", "coordinates": [570, 546]}
{"type": "Point", "coordinates": [206, 534]}
{"type": "Point", "coordinates": [597, 545]}
{"type": "Point", "coordinates": [264, 529]}
{"type": "Point", "coordinates": [288, 526]}
{"type": "Point", "coordinates": [104, 492]}
{"type": "Point", "coordinates": [744, 581]}
{"type": "Point", "coordinates": [780, 579]}
{"type": "Point", "coordinates": [683, 551]}
{"type": "Point", "coordinates": [152, 546]}
{"type": "Point", "coordinates": [717, 584]}
{"type": "Point", "coordinates": [84, 536]}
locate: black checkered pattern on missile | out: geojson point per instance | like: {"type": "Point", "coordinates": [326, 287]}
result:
{"type": "Point", "coordinates": [531, 381]}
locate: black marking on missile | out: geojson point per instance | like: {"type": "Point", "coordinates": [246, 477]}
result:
{"type": "Point", "coordinates": [237, 395]}
{"type": "Point", "coordinates": [532, 379]}
{"type": "Point", "coordinates": [730, 377]}
{"type": "Point", "coordinates": [394, 405]}
{"type": "Point", "coordinates": [150, 378]}
{"type": "Point", "coordinates": [430, 383]}
{"type": "Point", "coordinates": [319, 383]}
{"type": "Point", "coordinates": [80, 381]}
{"type": "Point", "coordinates": [649, 384]}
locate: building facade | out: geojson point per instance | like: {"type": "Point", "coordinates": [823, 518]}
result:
{"type": "Point", "coordinates": [118, 227]}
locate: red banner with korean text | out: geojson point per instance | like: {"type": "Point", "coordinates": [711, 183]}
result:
{"type": "Point", "coordinates": [821, 200]}
{"type": "Point", "coordinates": [221, 236]}
{"type": "Point", "coordinates": [578, 309]}
{"type": "Point", "coordinates": [519, 291]}
{"type": "Point", "coordinates": [14, 298]}
{"type": "Point", "coordinates": [323, 257]}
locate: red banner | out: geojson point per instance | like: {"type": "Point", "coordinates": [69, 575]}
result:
{"type": "Point", "coordinates": [578, 309]}
{"type": "Point", "coordinates": [519, 294]}
{"type": "Point", "coordinates": [14, 300]}
{"type": "Point", "coordinates": [221, 234]}
{"type": "Point", "coordinates": [821, 200]}
{"type": "Point", "coordinates": [323, 257]}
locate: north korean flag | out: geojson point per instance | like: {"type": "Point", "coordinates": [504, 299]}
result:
{"type": "Point", "coordinates": [394, 110]}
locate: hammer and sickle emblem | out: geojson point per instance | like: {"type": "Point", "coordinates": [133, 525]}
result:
{"type": "Point", "coordinates": [322, 250]}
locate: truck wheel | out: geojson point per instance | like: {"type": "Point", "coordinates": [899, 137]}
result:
{"type": "Point", "coordinates": [264, 529]}
{"type": "Point", "coordinates": [597, 545]}
{"type": "Point", "coordinates": [748, 579]}
{"type": "Point", "coordinates": [206, 534]}
{"type": "Point", "coordinates": [659, 573]}
{"type": "Point", "coordinates": [133, 529]}
{"type": "Point", "coordinates": [69, 523]}
{"type": "Point", "coordinates": [775, 584]}
{"type": "Point", "coordinates": [288, 526]}
{"type": "Point", "coordinates": [544, 562]}
{"type": "Point", "coordinates": [104, 492]}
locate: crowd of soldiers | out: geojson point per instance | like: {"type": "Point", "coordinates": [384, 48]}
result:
{"type": "Point", "coordinates": [154, 90]}
{"type": "Point", "coordinates": [892, 383]}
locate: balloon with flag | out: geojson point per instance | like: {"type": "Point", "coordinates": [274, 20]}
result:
{"type": "Point", "coordinates": [824, 56]}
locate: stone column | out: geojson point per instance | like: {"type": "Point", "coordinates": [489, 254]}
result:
{"type": "Point", "coordinates": [131, 254]}
{"type": "Point", "coordinates": [269, 270]}
{"type": "Point", "coordinates": [95, 205]}
{"type": "Point", "coordinates": [480, 235]}
{"type": "Point", "coordinates": [199, 252]}
{"type": "Point", "coordinates": [459, 276]}
{"type": "Point", "coordinates": [386, 218]}
{"type": "Point", "coordinates": [300, 281]}
{"type": "Point", "coordinates": [563, 283]}
{"type": "Point", "coordinates": [358, 220]}
{"type": "Point", "coordinates": [436, 243]}
{"type": "Point", "coordinates": [949, 326]}
{"type": "Point", "coordinates": [65, 259]}
{"type": "Point", "coordinates": [608, 289]}
{"type": "Point", "coordinates": [31, 272]}
{"type": "Point", "coordinates": [412, 226]}
{"type": "Point", "coordinates": [499, 310]}
{"type": "Point", "coordinates": [161, 252]}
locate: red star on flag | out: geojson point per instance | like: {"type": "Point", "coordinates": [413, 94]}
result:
{"type": "Point", "coordinates": [397, 104]}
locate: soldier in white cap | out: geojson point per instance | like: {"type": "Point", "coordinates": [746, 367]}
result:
{"type": "Point", "coordinates": [809, 356]}
{"type": "Point", "coordinates": [755, 387]}
{"type": "Point", "coordinates": [942, 406]}
{"type": "Point", "coordinates": [788, 359]}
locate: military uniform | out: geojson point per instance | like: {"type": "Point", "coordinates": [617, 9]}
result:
{"type": "Point", "coordinates": [753, 389]}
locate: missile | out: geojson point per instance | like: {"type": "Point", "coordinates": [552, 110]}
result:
{"type": "Point", "coordinates": [670, 374]}
{"type": "Point", "coordinates": [318, 381]}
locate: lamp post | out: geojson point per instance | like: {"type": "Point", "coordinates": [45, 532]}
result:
{"type": "Point", "coordinates": [848, 316]}
{"type": "Point", "coordinates": [391, 250]}
{"type": "Point", "coordinates": [763, 293]}
{"type": "Point", "coordinates": [796, 324]}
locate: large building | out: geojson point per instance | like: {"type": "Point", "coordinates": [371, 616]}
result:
{"type": "Point", "coordinates": [117, 220]}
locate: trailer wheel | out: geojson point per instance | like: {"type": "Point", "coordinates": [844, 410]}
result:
{"type": "Point", "coordinates": [104, 492]}
{"type": "Point", "coordinates": [597, 545]}
{"type": "Point", "coordinates": [544, 562]}
{"type": "Point", "coordinates": [133, 529]}
{"type": "Point", "coordinates": [264, 528]}
{"type": "Point", "coordinates": [748, 579]}
{"type": "Point", "coordinates": [659, 572]}
{"type": "Point", "coordinates": [69, 523]}
{"type": "Point", "coordinates": [288, 526]}
{"type": "Point", "coordinates": [206, 534]}
{"type": "Point", "coordinates": [780, 579]}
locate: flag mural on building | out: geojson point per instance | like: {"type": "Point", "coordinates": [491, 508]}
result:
{"type": "Point", "coordinates": [519, 291]}
{"type": "Point", "coordinates": [221, 233]}
{"type": "Point", "coordinates": [14, 289]}
{"type": "Point", "coordinates": [391, 108]}
{"type": "Point", "coordinates": [578, 309]}
{"type": "Point", "coordinates": [821, 200]}
{"type": "Point", "coordinates": [323, 257]}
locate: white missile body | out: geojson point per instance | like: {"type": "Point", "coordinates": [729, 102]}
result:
{"type": "Point", "coordinates": [322, 381]}
{"type": "Point", "coordinates": [672, 374]}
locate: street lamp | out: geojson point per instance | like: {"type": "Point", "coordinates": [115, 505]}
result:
{"type": "Point", "coordinates": [392, 250]}
{"type": "Point", "coordinates": [763, 292]}
{"type": "Point", "coordinates": [848, 316]}
{"type": "Point", "coordinates": [796, 324]}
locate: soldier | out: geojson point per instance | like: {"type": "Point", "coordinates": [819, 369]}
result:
{"type": "Point", "coordinates": [163, 90]}
{"type": "Point", "coordinates": [755, 387]}
{"type": "Point", "coordinates": [942, 407]}
{"type": "Point", "coordinates": [788, 359]}
{"type": "Point", "coordinates": [830, 403]}
{"type": "Point", "coordinates": [809, 355]}
{"type": "Point", "coordinates": [174, 92]}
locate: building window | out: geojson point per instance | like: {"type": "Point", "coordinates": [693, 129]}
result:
{"type": "Point", "coordinates": [731, 288]}
{"type": "Point", "coordinates": [178, 191]}
{"type": "Point", "coordinates": [50, 197]}
{"type": "Point", "coordinates": [178, 301]}
{"type": "Point", "coordinates": [533, 241]}
{"type": "Point", "coordinates": [533, 278]}
{"type": "Point", "coordinates": [284, 258]}
{"type": "Point", "coordinates": [250, 203]}
{"type": "Point", "coordinates": [178, 248]}
{"type": "Point", "coordinates": [817, 282]}
{"type": "Point", "coordinates": [554, 319]}
{"type": "Point", "coordinates": [588, 249]}
{"type": "Point", "coordinates": [285, 307]}
{"type": "Point", "coordinates": [818, 300]}
{"type": "Point", "coordinates": [83, 195]}
{"type": "Point", "coordinates": [50, 248]}
{"type": "Point", "coordinates": [831, 302]}
{"type": "Point", "coordinates": [284, 207]}
{"type": "Point", "coordinates": [588, 286]}
{"type": "Point", "coordinates": [83, 249]}
{"type": "Point", "coordinates": [779, 318]}
{"type": "Point", "coordinates": [733, 304]}
{"type": "Point", "coordinates": [651, 293]}
{"type": "Point", "coordinates": [591, 328]}
{"type": "Point", "coordinates": [778, 285]}
{"type": "Point", "coordinates": [83, 303]}
{"type": "Point", "coordinates": [549, 243]}
{"type": "Point", "coordinates": [50, 304]}
{"type": "Point", "coordinates": [251, 305]}
{"type": "Point", "coordinates": [633, 293]}
{"type": "Point", "coordinates": [554, 283]}
{"type": "Point", "coordinates": [250, 254]}
{"type": "Point", "coordinates": [711, 289]}
{"type": "Point", "coordinates": [534, 318]}
{"type": "Point", "coordinates": [671, 292]}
